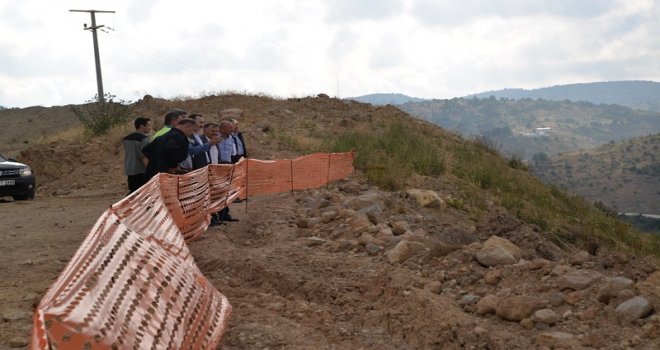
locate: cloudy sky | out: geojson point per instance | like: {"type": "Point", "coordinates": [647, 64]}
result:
{"type": "Point", "coordinates": [287, 48]}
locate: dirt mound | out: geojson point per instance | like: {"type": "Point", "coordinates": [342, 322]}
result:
{"type": "Point", "coordinates": [26, 127]}
{"type": "Point", "coordinates": [82, 165]}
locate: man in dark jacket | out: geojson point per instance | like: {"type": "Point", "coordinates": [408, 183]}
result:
{"type": "Point", "coordinates": [166, 152]}
{"type": "Point", "coordinates": [134, 160]}
{"type": "Point", "coordinates": [241, 150]}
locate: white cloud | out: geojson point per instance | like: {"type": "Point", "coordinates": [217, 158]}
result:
{"type": "Point", "coordinates": [287, 48]}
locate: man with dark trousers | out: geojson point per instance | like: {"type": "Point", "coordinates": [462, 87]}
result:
{"type": "Point", "coordinates": [241, 150]}
{"type": "Point", "coordinates": [167, 151]}
{"type": "Point", "coordinates": [134, 160]}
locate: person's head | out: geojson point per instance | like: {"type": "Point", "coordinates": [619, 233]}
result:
{"type": "Point", "coordinates": [199, 120]}
{"type": "Point", "coordinates": [211, 130]}
{"type": "Point", "coordinates": [226, 128]}
{"type": "Point", "coordinates": [174, 116]}
{"type": "Point", "coordinates": [142, 125]}
{"type": "Point", "coordinates": [187, 126]}
{"type": "Point", "coordinates": [235, 122]}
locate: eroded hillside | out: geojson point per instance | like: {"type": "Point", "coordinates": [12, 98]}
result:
{"type": "Point", "coordinates": [435, 242]}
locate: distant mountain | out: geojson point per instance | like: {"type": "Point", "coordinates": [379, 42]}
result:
{"type": "Point", "coordinates": [385, 99]}
{"type": "Point", "coordinates": [526, 127]}
{"type": "Point", "coordinates": [634, 94]}
{"type": "Point", "coordinates": [623, 175]}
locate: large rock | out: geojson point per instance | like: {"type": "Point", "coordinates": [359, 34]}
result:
{"type": "Point", "coordinates": [360, 223]}
{"type": "Point", "coordinates": [427, 198]}
{"type": "Point", "coordinates": [633, 309]}
{"type": "Point", "coordinates": [650, 289]}
{"type": "Point", "coordinates": [498, 251]}
{"type": "Point", "coordinates": [487, 305]}
{"type": "Point", "coordinates": [558, 340]}
{"type": "Point", "coordinates": [613, 287]}
{"type": "Point", "coordinates": [578, 279]}
{"type": "Point", "coordinates": [403, 251]}
{"type": "Point", "coordinates": [400, 227]}
{"type": "Point", "coordinates": [580, 258]}
{"type": "Point", "coordinates": [374, 213]}
{"type": "Point", "coordinates": [364, 201]}
{"type": "Point", "coordinates": [546, 316]}
{"type": "Point", "coordinates": [516, 308]}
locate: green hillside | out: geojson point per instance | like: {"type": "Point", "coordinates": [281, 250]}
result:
{"type": "Point", "coordinates": [512, 125]}
{"type": "Point", "coordinates": [623, 175]}
{"type": "Point", "coordinates": [634, 94]}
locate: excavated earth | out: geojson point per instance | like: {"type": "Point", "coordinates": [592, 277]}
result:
{"type": "Point", "coordinates": [349, 266]}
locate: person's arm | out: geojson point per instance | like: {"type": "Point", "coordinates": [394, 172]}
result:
{"type": "Point", "coordinates": [144, 143]}
{"type": "Point", "coordinates": [194, 150]}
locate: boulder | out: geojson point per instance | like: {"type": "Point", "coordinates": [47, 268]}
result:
{"type": "Point", "coordinates": [440, 249]}
{"type": "Point", "coordinates": [469, 299]}
{"type": "Point", "coordinates": [578, 279]}
{"type": "Point", "coordinates": [632, 309]}
{"type": "Point", "coordinates": [516, 308]}
{"type": "Point", "coordinates": [580, 258]}
{"type": "Point", "coordinates": [546, 316]}
{"type": "Point", "coordinates": [613, 286]}
{"type": "Point", "coordinates": [427, 198]}
{"type": "Point", "coordinates": [360, 223]}
{"type": "Point", "coordinates": [314, 241]}
{"type": "Point", "coordinates": [498, 251]}
{"type": "Point", "coordinates": [371, 248]}
{"type": "Point", "coordinates": [364, 201]}
{"type": "Point", "coordinates": [374, 213]}
{"type": "Point", "coordinates": [403, 251]}
{"type": "Point", "coordinates": [487, 305]}
{"type": "Point", "coordinates": [561, 340]}
{"type": "Point", "coordinates": [650, 290]}
{"type": "Point", "coordinates": [235, 113]}
{"type": "Point", "coordinates": [434, 287]}
{"type": "Point", "coordinates": [399, 227]}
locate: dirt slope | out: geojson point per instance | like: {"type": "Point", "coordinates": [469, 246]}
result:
{"type": "Point", "coordinates": [299, 275]}
{"type": "Point", "coordinates": [347, 267]}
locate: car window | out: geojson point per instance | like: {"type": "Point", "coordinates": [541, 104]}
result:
{"type": "Point", "coordinates": [2, 159]}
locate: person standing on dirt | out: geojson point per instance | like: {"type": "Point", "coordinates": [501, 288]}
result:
{"type": "Point", "coordinates": [227, 145]}
{"type": "Point", "coordinates": [198, 149]}
{"type": "Point", "coordinates": [171, 118]}
{"type": "Point", "coordinates": [166, 152]}
{"type": "Point", "coordinates": [227, 150]}
{"type": "Point", "coordinates": [134, 160]}
{"type": "Point", "coordinates": [241, 151]}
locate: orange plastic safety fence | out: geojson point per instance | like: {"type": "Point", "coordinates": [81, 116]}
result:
{"type": "Point", "coordinates": [133, 282]}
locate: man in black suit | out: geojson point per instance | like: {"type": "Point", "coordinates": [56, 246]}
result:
{"type": "Point", "coordinates": [241, 150]}
{"type": "Point", "coordinates": [166, 152]}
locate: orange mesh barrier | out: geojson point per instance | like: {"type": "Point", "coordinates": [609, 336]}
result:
{"type": "Point", "coordinates": [133, 282]}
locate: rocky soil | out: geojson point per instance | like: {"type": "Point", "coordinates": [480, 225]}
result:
{"type": "Point", "coordinates": [349, 266]}
{"type": "Point", "coordinates": [354, 267]}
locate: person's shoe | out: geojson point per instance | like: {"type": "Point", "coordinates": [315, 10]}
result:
{"type": "Point", "coordinates": [229, 218]}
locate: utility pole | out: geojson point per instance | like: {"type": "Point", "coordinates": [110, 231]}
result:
{"type": "Point", "coordinates": [93, 28]}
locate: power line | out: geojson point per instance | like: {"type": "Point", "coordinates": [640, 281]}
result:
{"type": "Point", "coordinates": [97, 59]}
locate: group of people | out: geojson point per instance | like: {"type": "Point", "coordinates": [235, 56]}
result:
{"type": "Point", "coordinates": [185, 143]}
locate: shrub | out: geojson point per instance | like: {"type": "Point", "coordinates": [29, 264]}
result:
{"type": "Point", "coordinates": [98, 117]}
{"type": "Point", "coordinates": [389, 157]}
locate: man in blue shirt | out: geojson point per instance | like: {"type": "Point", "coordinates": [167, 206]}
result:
{"type": "Point", "coordinates": [227, 145]}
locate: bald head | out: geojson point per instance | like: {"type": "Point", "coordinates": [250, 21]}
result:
{"type": "Point", "coordinates": [226, 128]}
